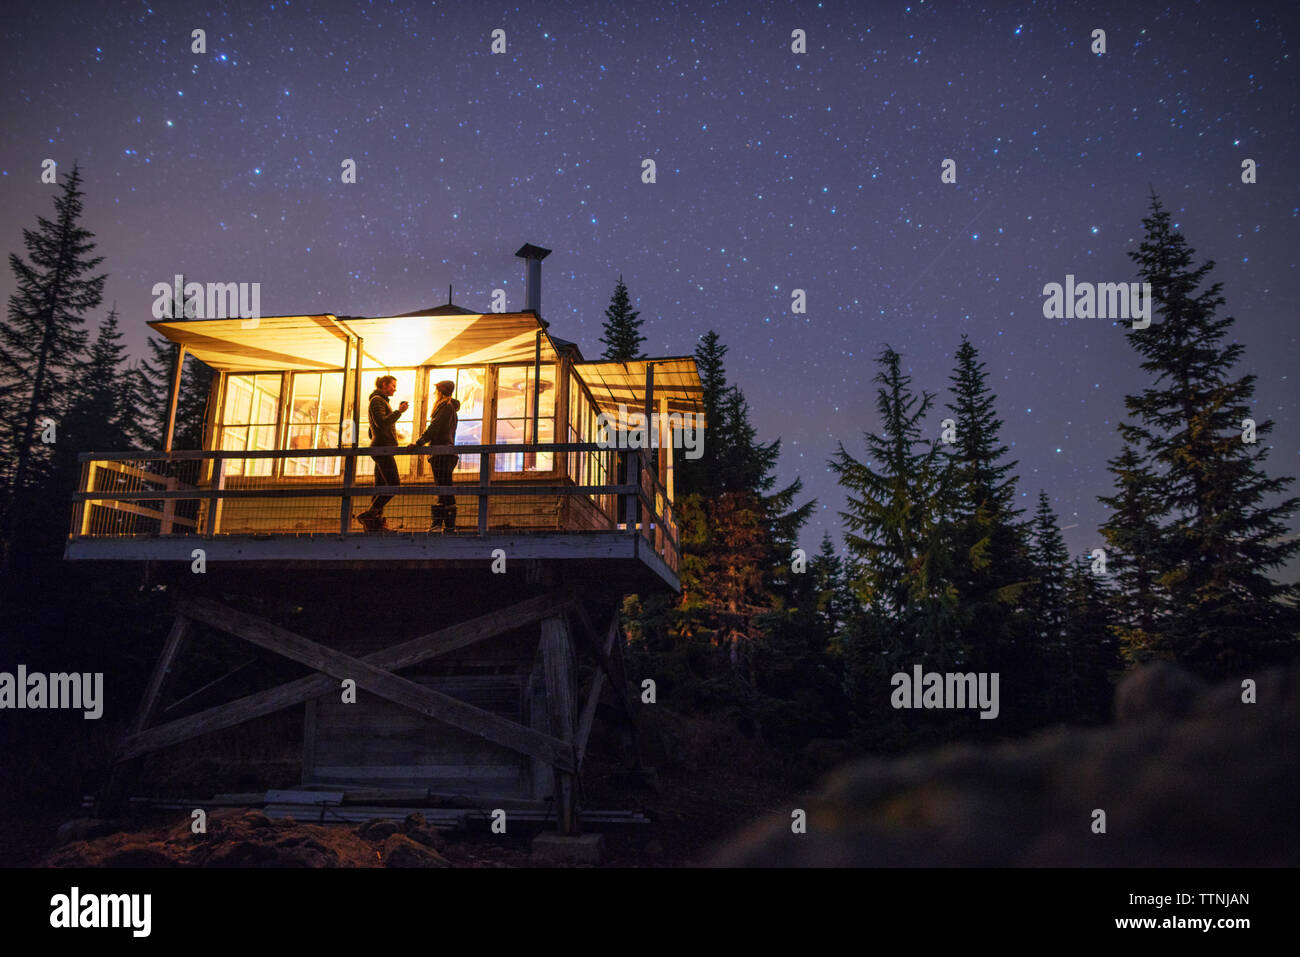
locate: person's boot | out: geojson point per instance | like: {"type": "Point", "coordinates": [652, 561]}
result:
{"type": "Point", "coordinates": [367, 520]}
{"type": "Point", "coordinates": [436, 515]}
{"type": "Point", "coordinates": [449, 519]}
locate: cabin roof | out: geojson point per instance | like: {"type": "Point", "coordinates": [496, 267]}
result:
{"type": "Point", "coordinates": [438, 337]}
{"type": "Point", "coordinates": [623, 383]}
{"type": "Point", "coordinates": [446, 309]}
{"type": "Point", "coordinates": [305, 343]}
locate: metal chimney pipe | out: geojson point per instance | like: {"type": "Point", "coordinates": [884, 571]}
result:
{"type": "Point", "coordinates": [533, 291]}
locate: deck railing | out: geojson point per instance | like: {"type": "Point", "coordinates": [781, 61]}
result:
{"type": "Point", "coordinates": [204, 494]}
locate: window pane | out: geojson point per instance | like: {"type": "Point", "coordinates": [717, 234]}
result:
{"type": "Point", "coordinates": [469, 433]}
{"type": "Point", "coordinates": [546, 399]}
{"type": "Point", "coordinates": [239, 399]}
{"type": "Point", "coordinates": [267, 405]}
{"type": "Point", "coordinates": [545, 461]}
{"type": "Point", "coordinates": [306, 396]}
{"type": "Point", "coordinates": [470, 391]}
{"type": "Point", "coordinates": [512, 392]}
{"type": "Point", "coordinates": [331, 396]}
{"type": "Point", "coordinates": [510, 432]}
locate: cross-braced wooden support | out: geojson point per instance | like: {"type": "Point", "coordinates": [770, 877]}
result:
{"type": "Point", "coordinates": [556, 742]}
{"type": "Point", "coordinates": [374, 673]}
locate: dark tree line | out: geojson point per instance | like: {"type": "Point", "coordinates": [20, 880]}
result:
{"type": "Point", "coordinates": [63, 393]}
{"type": "Point", "coordinates": [938, 565]}
{"type": "Point", "coordinates": [941, 569]}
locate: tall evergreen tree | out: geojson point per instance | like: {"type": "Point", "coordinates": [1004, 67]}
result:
{"type": "Point", "coordinates": [42, 343]}
{"type": "Point", "coordinates": [989, 541]}
{"type": "Point", "coordinates": [1213, 555]}
{"type": "Point", "coordinates": [622, 330]}
{"type": "Point", "coordinates": [1093, 647]}
{"type": "Point", "coordinates": [95, 411]}
{"type": "Point", "coordinates": [1132, 533]}
{"type": "Point", "coordinates": [94, 422]}
{"type": "Point", "coordinates": [894, 523]}
{"type": "Point", "coordinates": [703, 475]}
{"type": "Point", "coordinates": [42, 340]}
{"type": "Point", "coordinates": [154, 390]}
{"type": "Point", "coordinates": [1047, 603]}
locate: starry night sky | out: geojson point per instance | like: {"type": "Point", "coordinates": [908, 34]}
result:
{"type": "Point", "coordinates": [776, 171]}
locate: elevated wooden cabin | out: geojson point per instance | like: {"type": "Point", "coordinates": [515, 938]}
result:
{"type": "Point", "coordinates": [555, 525]}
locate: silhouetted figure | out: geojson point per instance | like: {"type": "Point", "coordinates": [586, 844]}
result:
{"type": "Point", "coordinates": [383, 433]}
{"type": "Point", "coordinates": [442, 431]}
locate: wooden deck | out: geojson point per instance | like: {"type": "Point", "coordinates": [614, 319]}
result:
{"type": "Point", "coordinates": [161, 507]}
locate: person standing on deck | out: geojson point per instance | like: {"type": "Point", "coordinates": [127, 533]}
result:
{"type": "Point", "coordinates": [442, 431]}
{"type": "Point", "coordinates": [383, 433]}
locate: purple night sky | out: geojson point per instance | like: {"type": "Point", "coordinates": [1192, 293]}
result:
{"type": "Point", "coordinates": [776, 171]}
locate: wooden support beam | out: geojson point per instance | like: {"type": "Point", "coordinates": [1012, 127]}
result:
{"type": "Point", "coordinates": [618, 677]}
{"type": "Point", "coordinates": [175, 397]}
{"type": "Point", "coordinates": [602, 651]}
{"type": "Point", "coordinates": [557, 666]}
{"type": "Point", "coordinates": [113, 795]}
{"type": "Point", "coordinates": [588, 716]}
{"type": "Point", "coordinates": [433, 704]}
{"type": "Point", "coordinates": [541, 776]}
{"type": "Point", "coordinates": [171, 647]}
{"type": "Point", "coordinates": [296, 692]}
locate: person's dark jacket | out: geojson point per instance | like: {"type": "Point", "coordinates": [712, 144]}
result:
{"type": "Point", "coordinates": [383, 421]}
{"type": "Point", "coordinates": [442, 424]}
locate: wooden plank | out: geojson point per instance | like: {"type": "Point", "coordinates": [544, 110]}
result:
{"type": "Point", "coordinates": [618, 677]}
{"type": "Point", "coordinates": [175, 392]}
{"type": "Point", "coordinates": [171, 646]}
{"type": "Point", "coordinates": [331, 492]}
{"type": "Point", "coordinates": [121, 506]}
{"type": "Point", "coordinates": [429, 771]}
{"type": "Point", "coordinates": [557, 666]}
{"type": "Point", "coordinates": [400, 656]}
{"type": "Point", "coordinates": [169, 509]}
{"type": "Point", "coordinates": [601, 649]}
{"type": "Point", "coordinates": [304, 797]}
{"type": "Point", "coordinates": [541, 776]}
{"type": "Point", "coordinates": [402, 691]}
{"type": "Point", "coordinates": [141, 474]}
{"type": "Point", "coordinates": [588, 716]}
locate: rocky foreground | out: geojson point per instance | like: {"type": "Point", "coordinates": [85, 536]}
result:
{"type": "Point", "coordinates": [1188, 776]}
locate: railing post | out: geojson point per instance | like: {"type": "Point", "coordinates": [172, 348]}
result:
{"type": "Point", "coordinates": [86, 506]}
{"type": "Point", "coordinates": [349, 480]}
{"type": "Point", "coordinates": [633, 498]}
{"type": "Point", "coordinates": [483, 474]}
{"type": "Point", "coordinates": [169, 505]}
{"type": "Point", "coordinates": [214, 496]}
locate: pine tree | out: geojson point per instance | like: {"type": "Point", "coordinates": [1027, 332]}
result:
{"type": "Point", "coordinates": [895, 531]}
{"type": "Point", "coordinates": [154, 389]}
{"type": "Point", "coordinates": [94, 421]}
{"type": "Point", "coordinates": [1047, 603]}
{"type": "Point", "coordinates": [1212, 556]}
{"type": "Point", "coordinates": [989, 550]}
{"type": "Point", "coordinates": [1089, 636]}
{"type": "Point", "coordinates": [622, 327]}
{"type": "Point", "coordinates": [703, 475]}
{"type": "Point", "coordinates": [1133, 532]}
{"type": "Point", "coordinates": [42, 340]}
{"type": "Point", "coordinates": [826, 574]}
